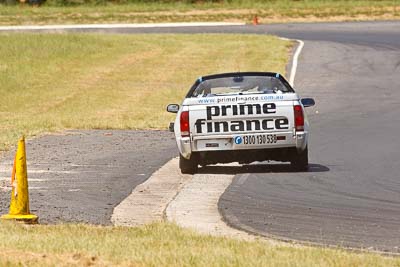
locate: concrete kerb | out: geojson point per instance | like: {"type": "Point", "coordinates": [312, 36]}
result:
{"type": "Point", "coordinates": [196, 206]}
{"type": "Point", "coordinates": [147, 202]}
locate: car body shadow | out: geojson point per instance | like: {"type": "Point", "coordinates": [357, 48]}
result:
{"type": "Point", "coordinates": [259, 168]}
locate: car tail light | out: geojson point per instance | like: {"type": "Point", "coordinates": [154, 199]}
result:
{"type": "Point", "coordinates": [298, 118]}
{"type": "Point", "coordinates": [185, 123]}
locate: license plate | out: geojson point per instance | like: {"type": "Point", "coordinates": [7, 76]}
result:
{"type": "Point", "coordinates": [258, 139]}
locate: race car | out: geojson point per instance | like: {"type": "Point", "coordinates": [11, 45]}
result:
{"type": "Point", "coordinates": [241, 117]}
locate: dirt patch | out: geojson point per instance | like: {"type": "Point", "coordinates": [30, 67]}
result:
{"type": "Point", "coordinates": [81, 176]}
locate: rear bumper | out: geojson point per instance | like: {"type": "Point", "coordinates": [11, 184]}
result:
{"type": "Point", "coordinates": [245, 156]}
{"type": "Point", "coordinates": [226, 145]}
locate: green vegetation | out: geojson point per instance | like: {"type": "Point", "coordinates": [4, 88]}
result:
{"type": "Point", "coordinates": [134, 11]}
{"type": "Point", "coordinates": [159, 244]}
{"type": "Point", "coordinates": [52, 82]}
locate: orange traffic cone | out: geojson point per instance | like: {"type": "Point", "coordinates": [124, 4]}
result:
{"type": "Point", "coordinates": [255, 20]}
{"type": "Point", "coordinates": [19, 205]}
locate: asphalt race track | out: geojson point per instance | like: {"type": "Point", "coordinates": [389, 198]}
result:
{"type": "Point", "coordinates": [351, 194]}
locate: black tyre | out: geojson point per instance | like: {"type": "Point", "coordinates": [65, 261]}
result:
{"type": "Point", "coordinates": [188, 166]}
{"type": "Point", "coordinates": [299, 161]}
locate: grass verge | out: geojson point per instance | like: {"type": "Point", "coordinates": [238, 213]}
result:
{"type": "Point", "coordinates": [159, 244]}
{"type": "Point", "coordinates": [234, 10]}
{"type": "Point", "coordinates": [51, 82]}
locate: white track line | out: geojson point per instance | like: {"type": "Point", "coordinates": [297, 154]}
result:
{"type": "Point", "coordinates": [115, 26]}
{"type": "Point", "coordinates": [295, 61]}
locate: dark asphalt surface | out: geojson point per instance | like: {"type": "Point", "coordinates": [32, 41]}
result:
{"type": "Point", "coordinates": [381, 34]}
{"type": "Point", "coordinates": [351, 195]}
{"type": "Point", "coordinates": [81, 176]}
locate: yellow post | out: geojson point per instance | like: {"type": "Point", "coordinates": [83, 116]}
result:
{"type": "Point", "coordinates": [19, 206]}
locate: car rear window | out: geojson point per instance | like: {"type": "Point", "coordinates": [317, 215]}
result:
{"type": "Point", "coordinates": [240, 85]}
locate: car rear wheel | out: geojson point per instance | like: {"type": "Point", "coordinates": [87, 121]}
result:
{"type": "Point", "coordinates": [299, 161]}
{"type": "Point", "coordinates": [188, 166]}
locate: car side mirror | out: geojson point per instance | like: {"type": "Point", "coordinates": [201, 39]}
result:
{"type": "Point", "coordinates": [173, 108]}
{"type": "Point", "coordinates": [307, 102]}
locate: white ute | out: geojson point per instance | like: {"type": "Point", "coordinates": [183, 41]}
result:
{"type": "Point", "coordinates": [241, 117]}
